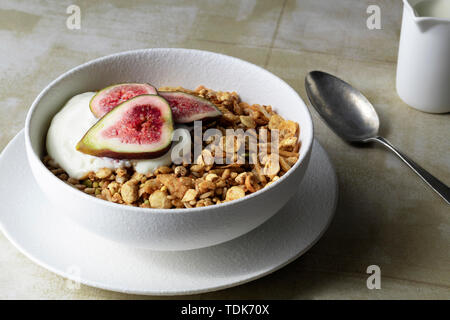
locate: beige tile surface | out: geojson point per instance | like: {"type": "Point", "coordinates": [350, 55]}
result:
{"type": "Point", "coordinates": [339, 27]}
{"type": "Point", "coordinates": [385, 216]}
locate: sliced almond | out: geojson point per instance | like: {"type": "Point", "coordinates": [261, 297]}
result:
{"type": "Point", "coordinates": [284, 165]}
{"type": "Point", "coordinates": [159, 200]}
{"type": "Point", "coordinates": [190, 195]}
{"type": "Point", "coordinates": [248, 121]}
{"type": "Point", "coordinates": [234, 193]}
{"type": "Point", "coordinates": [288, 142]}
{"type": "Point", "coordinates": [272, 166]}
{"type": "Point", "coordinates": [275, 122]}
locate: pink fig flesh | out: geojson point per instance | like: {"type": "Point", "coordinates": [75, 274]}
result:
{"type": "Point", "coordinates": [188, 108]}
{"type": "Point", "coordinates": [139, 128]}
{"type": "Point", "coordinates": [108, 98]}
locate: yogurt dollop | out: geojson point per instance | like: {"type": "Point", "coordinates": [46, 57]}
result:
{"type": "Point", "coordinates": [68, 127]}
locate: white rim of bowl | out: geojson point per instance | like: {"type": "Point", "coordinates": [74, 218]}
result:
{"type": "Point", "coordinates": [305, 145]}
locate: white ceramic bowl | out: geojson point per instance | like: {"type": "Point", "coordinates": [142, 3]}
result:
{"type": "Point", "coordinates": [168, 229]}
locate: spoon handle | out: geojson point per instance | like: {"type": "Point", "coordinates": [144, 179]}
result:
{"type": "Point", "coordinates": [432, 181]}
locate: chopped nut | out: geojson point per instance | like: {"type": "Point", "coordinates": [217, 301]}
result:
{"type": "Point", "coordinates": [275, 122]}
{"type": "Point", "coordinates": [89, 190]}
{"type": "Point", "coordinates": [212, 177]}
{"type": "Point", "coordinates": [103, 173]}
{"type": "Point", "coordinates": [206, 195]}
{"type": "Point", "coordinates": [234, 193]}
{"type": "Point", "coordinates": [80, 186]}
{"type": "Point", "coordinates": [240, 179]}
{"type": "Point", "coordinates": [180, 171]}
{"type": "Point", "coordinates": [177, 203]}
{"type": "Point", "coordinates": [73, 181]}
{"type": "Point", "coordinates": [129, 192]}
{"type": "Point", "coordinates": [237, 108]}
{"type": "Point", "coordinates": [248, 121]}
{"type": "Point", "coordinates": [249, 183]}
{"type": "Point", "coordinates": [187, 181]}
{"type": "Point", "coordinates": [106, 194]}
{"type": "Point", "coordinates": [291, 160]}
{"type": "Point", "coordinates": [176, 186]}
{"type": "Point", "coordinates": [149, 186]}
{"type": "Point", "coordinates": [221, 183]}
{"type": "Point", "coordinates": [284, 165]}
{"type": "Point", "coordinates": [57, 171]}
{"type": "Point", "coordinates": [272, 166]}
{"type": "Point", "coordinates": [163, 170]}
{"type": "Point", "coordinates": [158, 199]}
{"type": "Point", "coordinates": [229, 117]}
{"type": "Point", "coordinates": [288, 153]}
{"type": "Point", "coordinates": [121, 172]}
{"type": "Point", "coordinates": [288, 142]}
{"type": "Point", "coordinates": [226, 173]}
{"type": "Point", "coordinates": [63, 176]}
{"type": "Point", "coordinates": [288, 129]}
{"type": "Point", "coordinates": [204, 186]}
{"type": "Point", "coordinates": [137, 176]}
{"type": "Point", "coordinates": [197, 168]}
{"type": "Point", "coordinates": [113, 187]}
{"type": "Point", "coordinates": [208, 159]}
{"type": "Point", "coordinates": [190, 195]}
{"type": "Point", "coordinates": [117, 198]}
{"type": "Point", "coordinates": [204, 202]}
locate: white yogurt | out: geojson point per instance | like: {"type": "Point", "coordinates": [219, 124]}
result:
{"type": "Point", "coordinates": [67, 128]}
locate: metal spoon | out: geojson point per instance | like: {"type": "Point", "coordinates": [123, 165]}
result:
{"type": "Point", "coordinates": [351, 116]}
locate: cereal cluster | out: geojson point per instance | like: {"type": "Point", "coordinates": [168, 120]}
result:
{"type": "Point", "coordinates": [203, 182]}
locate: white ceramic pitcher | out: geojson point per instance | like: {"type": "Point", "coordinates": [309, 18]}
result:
{"type": "Point", "coordinates": [423, 68]}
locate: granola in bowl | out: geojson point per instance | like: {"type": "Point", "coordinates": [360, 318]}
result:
{"type": "Point", "coordinates": [219, 173]}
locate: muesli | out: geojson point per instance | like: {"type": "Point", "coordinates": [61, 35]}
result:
{"type": "Point", "coordinates": [127, 156]}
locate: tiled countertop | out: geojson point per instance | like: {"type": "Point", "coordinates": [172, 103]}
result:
{"type": "Point", "coordinates": [385, 216]}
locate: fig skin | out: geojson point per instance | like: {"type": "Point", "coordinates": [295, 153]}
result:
{"type": "Point", "coordinates": [122, 156]}
{"type": "Point", "coordinates": [106, 147]}
{"type": "Point", "coordinates": [98, 111]}
{"type": "Point", "coordinates": [212, 113]}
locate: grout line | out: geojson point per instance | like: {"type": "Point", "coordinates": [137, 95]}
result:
{"type": "Point", "coordinates": [368, 61]}
{"type": "Point", "coordinates": [339, 55]}
{"type": "Point", "coordinates": [229, 43]}
{"type": "Point", "coordinates": [272, 42]}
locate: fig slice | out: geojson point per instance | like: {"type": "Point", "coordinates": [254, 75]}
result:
{"type": "Point", "coordinates": [188, 108]}
{"type": "Point", "coordinates": [139, 128]}
{"type": "Point", "coordinates": [108, 98]}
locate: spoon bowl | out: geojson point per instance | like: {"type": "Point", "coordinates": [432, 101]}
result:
{"type": "Point", "coordinates": [346, 110]}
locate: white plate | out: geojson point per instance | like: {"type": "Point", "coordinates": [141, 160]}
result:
{"type": "Point", "coordinates": [52, 241]}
